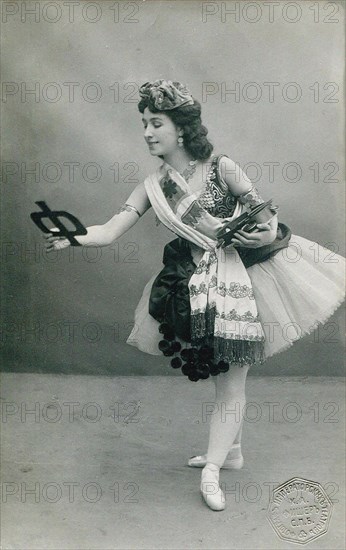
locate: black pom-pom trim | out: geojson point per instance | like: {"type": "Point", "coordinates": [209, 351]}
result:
{"type": "Point", "coordinates": [176, 346]}
{"type": "Point", "coordinates": [176, 363]}
{"type": "Point", "coordinates": [186, 354]}
{"type": "Point", "coordinates": [164, 327]}
{"type": "Point", "coordinates": [205, 353]}
{"type": "Point", "coordinates": [187, 369]}
{"type": "Point", "coordinates": [198, 362]}
{"type": "Point", "coordinates": [213, 369]}
{"type": "Point", "coordinates": [202, 368]}
{"type": "Point", "coordinates": [194, 354]}
{"type": "Point", "coordinates": [163, 345]}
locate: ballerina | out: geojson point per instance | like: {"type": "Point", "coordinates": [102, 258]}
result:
{"type": "Point", "coordinates": [215, 311]}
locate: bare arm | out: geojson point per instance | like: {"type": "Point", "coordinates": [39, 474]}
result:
{"type": "Point", "coordinates": [239, 184]}
{"type": "Point", "coordinates": [103, 235]}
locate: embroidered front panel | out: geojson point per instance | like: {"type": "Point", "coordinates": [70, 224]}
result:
{"type": "Point", "coordinates": [217, 198]}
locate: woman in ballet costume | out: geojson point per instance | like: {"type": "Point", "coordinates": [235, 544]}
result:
{"type": "Point", "coordinates": [212, 308]}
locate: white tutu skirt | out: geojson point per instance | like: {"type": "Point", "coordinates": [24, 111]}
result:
{"type": "Point", "coordinates": [295, 291]}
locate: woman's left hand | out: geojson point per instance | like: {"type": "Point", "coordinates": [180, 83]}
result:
{"type": "Point", "coordinates": [256, 239]}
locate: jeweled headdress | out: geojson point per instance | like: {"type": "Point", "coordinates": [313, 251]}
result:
{"type": "Point", "coordinates": [165, 95]}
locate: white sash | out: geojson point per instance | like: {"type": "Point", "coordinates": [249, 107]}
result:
{"type": "Point", "coordinates": [222, 302]}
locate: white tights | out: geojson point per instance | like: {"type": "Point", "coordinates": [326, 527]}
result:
{"type": "Point", "coordinates": [226, 419]}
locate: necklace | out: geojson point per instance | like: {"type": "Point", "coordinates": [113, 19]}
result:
{"type": "Point", "coordinates": [190, 170]}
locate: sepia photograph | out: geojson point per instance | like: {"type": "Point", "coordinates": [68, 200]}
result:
{"type": "Point", "coordinates": [173, 275]}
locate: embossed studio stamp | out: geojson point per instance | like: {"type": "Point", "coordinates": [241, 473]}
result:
{"type": "Point", "coordinates": [299, 510]}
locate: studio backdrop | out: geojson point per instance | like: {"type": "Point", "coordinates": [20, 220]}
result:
{"type": "Point", "coordinates": [270, 85]}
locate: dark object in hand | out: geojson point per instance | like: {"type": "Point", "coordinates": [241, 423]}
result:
{"type": "Point", "coordinates": [247, 221]}
{"type": "Point", "coordinates": [54, 216]}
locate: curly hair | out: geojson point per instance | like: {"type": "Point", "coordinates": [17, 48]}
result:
{"type": "Point", "coordinates": [188, 118]}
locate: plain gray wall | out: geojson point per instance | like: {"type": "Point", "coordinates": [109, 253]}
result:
{"type": "Point", "coordinates": [155, 40]}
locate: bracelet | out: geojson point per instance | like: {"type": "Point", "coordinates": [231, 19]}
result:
{"type": "Point", "coordinates": [251, 197]}
{"type": "Point", "coordinates": [129, 208]}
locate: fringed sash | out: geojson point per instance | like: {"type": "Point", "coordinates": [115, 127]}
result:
{"type": "Point", "coordinates": [223, 309]}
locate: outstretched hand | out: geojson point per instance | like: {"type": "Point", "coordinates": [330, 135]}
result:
{"type": "Point", "coordinates": [54, 242]}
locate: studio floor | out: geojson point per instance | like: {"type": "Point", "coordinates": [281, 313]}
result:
{"type": "Point", "coordinates": [95, 462]}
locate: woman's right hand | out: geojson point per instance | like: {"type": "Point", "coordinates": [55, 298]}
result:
{"type": "Point", "coordinates": [54, 242]}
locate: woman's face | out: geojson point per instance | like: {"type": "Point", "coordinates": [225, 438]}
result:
{"type": "Point", "coordinates": [160, 133]}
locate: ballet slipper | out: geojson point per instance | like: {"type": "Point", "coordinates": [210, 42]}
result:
{"type": "Point", "coordinates": [210, 489]}
{"type": "Point", "coordinates": [200, 461]}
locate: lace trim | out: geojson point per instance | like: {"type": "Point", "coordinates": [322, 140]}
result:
{"type": "Point", "coordinates": [201, 289]}
{"type": "Point", "coordinates": [205, 266]}
{"type": "Point", "coordinates": [235, 289]}
{"type": "Point", "coordinates": [202, 322]}
{"type": "Point", "coordinates": [234, 351]}
{"type": "Point", "coordinates": [231, 349]}
{"type": "Point", "coordinates": [231, 316]}
{"type": "Point", "coordinates": [243, 352]}
{"type": "Point", "coordinates": [234, 316]}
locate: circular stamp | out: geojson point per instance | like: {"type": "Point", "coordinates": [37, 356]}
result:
{"type": "Point", "coordinates": [299, 510]}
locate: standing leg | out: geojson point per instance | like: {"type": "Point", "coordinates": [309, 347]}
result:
{"type": "Point", "coordinates": [225, 424]}
{"type": "Point", "coordinates": [234, 459]}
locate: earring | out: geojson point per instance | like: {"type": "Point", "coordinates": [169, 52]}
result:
{"type": "Point", "coordinates": [180, 141]}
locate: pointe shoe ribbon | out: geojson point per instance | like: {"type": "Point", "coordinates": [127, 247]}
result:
{"type": "Point", "coordinates": [210, 489]}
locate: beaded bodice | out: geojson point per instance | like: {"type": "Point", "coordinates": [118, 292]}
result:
{"type": "Point", "coordinates": [216, 198]}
